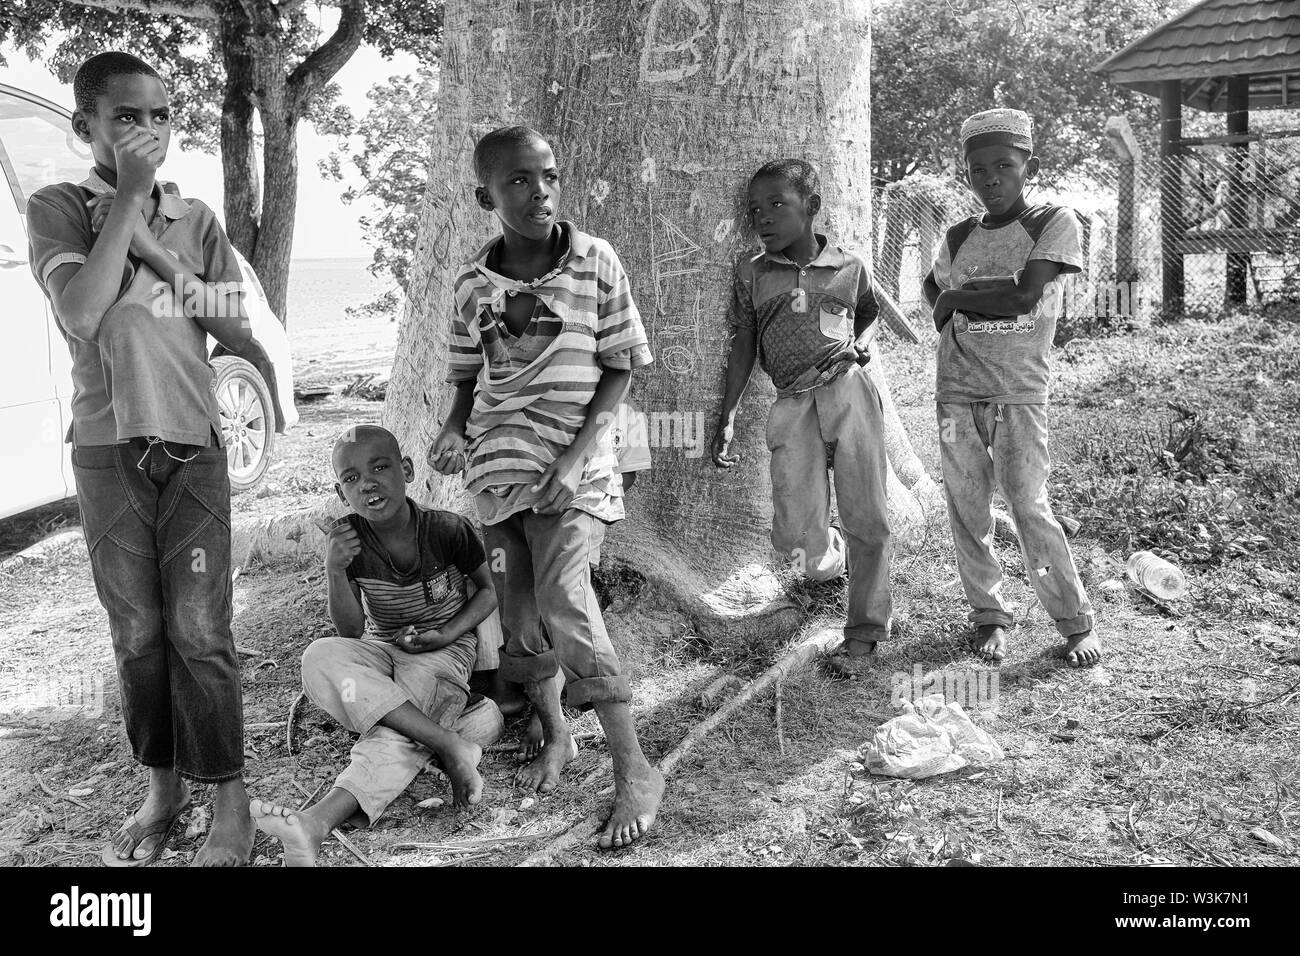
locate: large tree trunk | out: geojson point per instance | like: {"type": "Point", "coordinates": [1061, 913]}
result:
{"type": "Point", "coordinates": [658, 113]}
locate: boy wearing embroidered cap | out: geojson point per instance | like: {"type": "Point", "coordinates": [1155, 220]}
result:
{"type": "Point", "coordinates": [138, 278]}
{"type": "Point", "coordinates": [801, 307]}
{"type": "Point", "coordinates": [996, 289]}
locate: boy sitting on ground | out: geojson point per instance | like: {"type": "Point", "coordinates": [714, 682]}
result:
{"type": "Point", "coordinates": [996, 288]}
{"type": "Point", "coordinates": [801, 306]}
{"type": "Point", "coordinates": [544, 339]}
{"type": "Point", "coordinates": [401, 570]}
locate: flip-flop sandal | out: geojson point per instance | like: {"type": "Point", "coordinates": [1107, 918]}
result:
{"type": "Point", "coordinates": [138, 835]}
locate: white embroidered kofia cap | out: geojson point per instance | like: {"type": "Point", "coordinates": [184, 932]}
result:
{"type": "Point", "coordinates": [1000, 127]}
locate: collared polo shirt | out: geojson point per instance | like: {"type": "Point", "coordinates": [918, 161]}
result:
{"type": "Point", "coordinates": [803, 316]}
{"type": "Point", "coordinates": [147, 372]}
{"type": "Point", "coordinates": [532, 390]}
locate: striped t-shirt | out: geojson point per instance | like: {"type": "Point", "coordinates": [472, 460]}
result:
{"type": "Point", "coordinates": [424, 596]}
{"type": "Point", "coordinates": [533, 390]}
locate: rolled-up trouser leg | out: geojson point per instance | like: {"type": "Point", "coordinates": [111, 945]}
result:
{"type": "Point", "coordinates": [527, 656]}
{"type": "Point", "coordinates": [560, 546]}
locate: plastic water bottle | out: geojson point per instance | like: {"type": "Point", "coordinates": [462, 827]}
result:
{"type": "Point", "coordinates": [1155, 574]}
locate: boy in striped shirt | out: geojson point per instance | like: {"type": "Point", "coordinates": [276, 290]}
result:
{"type": "Point", "coordinates": [544, 339]}
{"type": "Point", "coordinates": [398, 672]}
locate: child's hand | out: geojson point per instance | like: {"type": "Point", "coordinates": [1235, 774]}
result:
{"type": "Point", "coordinates": [558, 486]}
{"type": "Point", "coordinates": [342, 546]}
{"type": "Point", "coordinates": [138, 155]}
{"type": "Point", "coordinates": [142, 240]}
{"type": "Point", "coordinates": [721, 450]}
{"type": "Point", "coordinates": [447, 453]}
{"type": "Point", "coordinates": [419, 642]}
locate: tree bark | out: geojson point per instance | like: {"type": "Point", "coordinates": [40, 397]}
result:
{"type": "Point", "coordinates": [658, 113]}
{"type": "Point", "coordinates": [255, 50]}
{"type": "Point", "coordinates": [240, 177]}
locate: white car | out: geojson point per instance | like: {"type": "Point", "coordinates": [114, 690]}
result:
{"type": "Point", "coordinates": [254, 389]}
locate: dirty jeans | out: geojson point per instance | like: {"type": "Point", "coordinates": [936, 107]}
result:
{"type": "Point", "coordinates": [846, 414]}
{"type": "Point", "coordinates": [983, 445]}
{"type": "Point", "coordinates": [549, 611]}
{"type": "Point", "coordinates": [359, 681]}
{"type": "Point", "coordinates": [157, 525]}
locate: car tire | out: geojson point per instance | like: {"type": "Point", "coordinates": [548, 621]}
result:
{"type": "Point", "coordinates": [247, 420]}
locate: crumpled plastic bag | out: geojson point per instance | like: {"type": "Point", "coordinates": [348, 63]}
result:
{"type": "Point", "coordinates": [928, 738]}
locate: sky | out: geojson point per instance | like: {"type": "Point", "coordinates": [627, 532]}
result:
{"type": "Point", "coordinates": [326, 228]}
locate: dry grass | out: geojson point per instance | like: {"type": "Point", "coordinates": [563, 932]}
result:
{"type": "Point", "coordinates": [1183, 747]}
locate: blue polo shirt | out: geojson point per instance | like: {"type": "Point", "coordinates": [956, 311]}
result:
{"type": "Point", "coordinates": [804, 316]}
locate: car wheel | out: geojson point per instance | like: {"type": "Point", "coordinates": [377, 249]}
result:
{"type": "Point", "coordinates": [247, 420]}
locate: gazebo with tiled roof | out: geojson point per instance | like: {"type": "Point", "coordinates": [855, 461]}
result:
{"type": "Point", "coordinates": [1223, 56]}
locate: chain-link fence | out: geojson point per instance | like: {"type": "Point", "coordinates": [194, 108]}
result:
{"type": "Point", "coordinates": [1233, 239]}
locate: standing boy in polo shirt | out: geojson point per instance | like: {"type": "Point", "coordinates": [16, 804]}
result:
{"type": "Point", "coordinates": [996, 288]}
{"type": "Point", "coordinates": [139, 278]}
{"type": "Point", "coordinates": [800, 306]}
{"type": "Point", "coordinates": [543, 343]}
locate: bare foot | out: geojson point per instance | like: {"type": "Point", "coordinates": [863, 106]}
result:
{"type": "Point", "coordinates": [161, 804]}
{"type": "Point", "coordinates": [531, 745]}
{"type": "Point", "coordinates": [1082, 650]}
{"type": "Point", "coordinates": [461, 767]}
{"type": "Point", "coordinates": [636, 801]}
{"type": "Point", "coordinates": [991, 642]}
{"type": "Point", "coordinates": [230, 842]}
{"type": "Point", "coordinates": [543, 774]}
{"type": "Point", "coordinates": [301, 834]}
{"type": "Point", "coordinates": [856, 648]}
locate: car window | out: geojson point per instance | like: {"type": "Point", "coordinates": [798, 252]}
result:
{"type": "Point", "coordinates": [39, 147]}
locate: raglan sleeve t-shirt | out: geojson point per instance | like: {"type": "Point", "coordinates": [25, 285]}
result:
{"type": "Point", "coordinates": [1004, 358]}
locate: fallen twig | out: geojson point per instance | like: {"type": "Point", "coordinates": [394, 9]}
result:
{"type": "Point", "coordinates": [265, 725]}
{"type": "Point", "coordinates": [780, 723]}
{"type": "Point", "coordinates": [293, 714]}
{"type": "Point", "coordinates": [338, 834]}
{"type": "Point", "coordinates": [469, 846]}
{"type": "Point", "coordinates": [311, 796]}
{"type": "Point", "coordinates": [817, 643]}
{"type": "Point", "coordinates": [997, 814]}
{"type": "Point", "coordinates": [59, 796]}
{"type": "Point", "coordinates": [461, 860]}
{"type": "Point", "coordinates": [1039, 720]}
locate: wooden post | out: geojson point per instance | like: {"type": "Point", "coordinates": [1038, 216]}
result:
{"type": "Point", "coordinates": [1127, 154]}
{"type": "Point", "coordinates": [1171, 198]}
{"type": "Point", "coordinates": [1234, 289]}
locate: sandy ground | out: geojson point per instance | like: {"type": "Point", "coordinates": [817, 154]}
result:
{"type": "Point", "coordinates": [1181, 748]}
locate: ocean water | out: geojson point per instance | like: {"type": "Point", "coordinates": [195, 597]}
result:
{"type": "Point", "coordinates": [328, 344]}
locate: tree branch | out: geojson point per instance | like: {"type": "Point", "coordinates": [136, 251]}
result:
{"type": "Point", "coordinates": [327, 59]}
{"type": "Point", "coordinates": [202, 10]}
